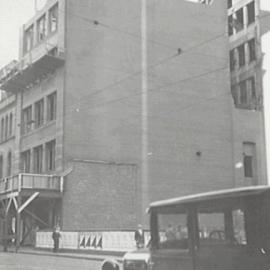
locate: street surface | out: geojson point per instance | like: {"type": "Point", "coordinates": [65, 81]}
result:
{"type": "Point", "coordinates": [19, 261]}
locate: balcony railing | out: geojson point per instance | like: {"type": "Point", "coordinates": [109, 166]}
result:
{"type": "Point", "coordinates": [34, 66]}
{"type": "Point", "coordinates": [24, 181]}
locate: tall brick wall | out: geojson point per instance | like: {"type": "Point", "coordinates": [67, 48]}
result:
{"type": "Point", "coordinates": [100, 196]}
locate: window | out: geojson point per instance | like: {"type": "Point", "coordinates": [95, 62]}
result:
{"type": "Point", "coordinates": [37, 154]}
{"type": "Point", "coordinates": [251, 12]}
{"type": "Point", "coordinates": [232, 60]}
{"type": "Point", "coordinates": [10, 124]}
{"type": "Point", "coordinates": [2, 129]}
{"type": "Point", "coordinates": [1, 167]}
{"type": "Point", "coordinates": [26, 119]}
{"type": "Point", "coordinates": [50, 156]}
{"type": "Point", "coordinates": [6, 127]}
{"type": "Point", "coordinates": [241, 55]}
{"type": "Point", "coordinates": [243, 97]}
{"type": "Point", "coordinates": [41, 29]}
{"type": "Point", "coordinates": [229, 3]}
{"type": "Point", "coordinates": [53, 18]}
{"type": "Point", "coordinates": [9, 163]}
{"type": "Point", "coordinates": [252, 50]}
{"type": "Point", "coordinates": [248, 159]}
{"type": "Point", "coordinates": [173, 233]}
{"type": "Point", "coordinates": [51, 107]}
{"type": "Point", "coordinates": [39, 111]}
{"type": "Point", "coordinates": [252, 87]}
{"type": "Point", "coordinates": [28, 39]}
{"type": "Point", "coordinates": [245, 94]}
{"type": "Point", "coordinates": [25, 161]}
{"type": "Point", "coordinates": [230, 25]}
{"type": "Point", "coordinates": [239, 20]}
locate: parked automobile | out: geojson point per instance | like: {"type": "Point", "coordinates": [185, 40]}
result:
{"type": "Point", "coordinates": [221, 230]}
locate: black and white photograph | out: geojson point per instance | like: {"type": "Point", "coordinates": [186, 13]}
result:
{"type": "Point", "coordinates": [134, 134]}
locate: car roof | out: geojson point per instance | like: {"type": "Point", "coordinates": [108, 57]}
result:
{"type": "Point", "coordinates": [210, 196]}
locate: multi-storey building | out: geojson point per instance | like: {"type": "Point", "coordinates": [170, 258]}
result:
{"type": "Point", "coordinates": [114, 104]}
{"type": "Point", "coordinates": [244, 30]}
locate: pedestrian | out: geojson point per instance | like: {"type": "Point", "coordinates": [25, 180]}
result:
{"type": "Point", "coordinates": [56, 237]}
{"type": "Point", "coordinates": [139, 237]}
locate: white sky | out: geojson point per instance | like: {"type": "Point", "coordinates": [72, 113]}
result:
{"type": "Point", "coordinates": [14, 13]}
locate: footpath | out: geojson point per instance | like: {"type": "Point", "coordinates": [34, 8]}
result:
{"type": "Point", "coordinates": [93, 255]}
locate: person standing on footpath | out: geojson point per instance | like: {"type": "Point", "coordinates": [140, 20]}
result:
{"type": "Point", "coordinates": [139, 237]}
{"type": "Point", "coordinates": [56, 237]}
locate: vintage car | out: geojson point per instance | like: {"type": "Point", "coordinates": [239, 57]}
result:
{"type": "Point", "coordinates": [222, 230]}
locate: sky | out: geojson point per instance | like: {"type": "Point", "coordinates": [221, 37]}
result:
{"type": "Point", "coordinates": [14, 13]}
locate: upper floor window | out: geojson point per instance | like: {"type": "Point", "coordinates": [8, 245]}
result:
{"type": "Point", "coordinates": [1, 167]}
{"type": "Point", "coordinates": [37, 154]}
{"type": "Point", "coordinates": [250, 13]}
{"type": "Point", "coordinates": [41, 29]}
{"type": "Point", "coordinates": [10, 124]}
{"type": "Point", "coordinates": [50, 156]}
{"type": "Point", "coordinates": [230, 25]}
{"type": "Point", "coordinates": [249, 161]}
{"type": "Point", "coordinates": [6, 127]}
{"type": "Point", "coordinates": [26, 119]}
{"type": "Point", "coordinates": [53, 18]}
{"type": "Point", "coordinates": [233, 60]}
{"type": "Point", "coordinates": [239, 20]}
{"type": "Point", "coordinates": [244, 94]}
{"type": "Point", "coordinates": [9, 163]}
{"type": "Point", "coordinates": [29, 38]}
{"type": "Point", "coordinates": [39, 113]}
{"type": "Point", "coordinates": [2, 129]}
{"type": "Point", "coordinates": [252, 50]}
{"type": "Point", "coordinates": [25, 161]}
{"type": "Point", "coordinates": [241, 55]}
{"type": "Point", "coordinates": [51, 107]}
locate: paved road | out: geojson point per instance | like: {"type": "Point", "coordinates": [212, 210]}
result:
{"type": "Point", "coordinates": [18, 261]}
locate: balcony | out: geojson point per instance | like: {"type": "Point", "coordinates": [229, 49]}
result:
{"type": "Point", "coordinates": [25, 184]}
{"type": "Point", "coordinates": [34, 66]}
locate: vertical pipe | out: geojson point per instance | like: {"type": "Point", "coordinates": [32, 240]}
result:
{"type": "Point", "coordinates": [144, 82]}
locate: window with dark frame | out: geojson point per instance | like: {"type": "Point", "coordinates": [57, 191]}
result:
{"type": "Point", "coordinates": [251, 12]}
{"type": "Point", "coordinates": [241, 55]}
{"type": "Point", "coordinates": [28, 39]}
{"type": "Point", "coordinates": [41, 29]}
{"type": "Point", "coordinates": [51, 107]}
{"type": "Point", "coordinates": [243, 95]}
{"type": "Point", "coordinates": [50, 155]}
{"type": "Point", "coordinates": [1, 167]}
{"type": "Point", "coordinates": [249, 159]}
{"type": "Point", "coordinates": [2, 129]}
{"type": "Point", "coordinates": [53, 19]}
{"type": "Point", "coordinates": [37, 154]}
{"type": "Point", "coordinates": [26, 119]}
{"type": "Point", "coordinates": [10, 124]}
{"type": "Point", "coordinates": [230, 25]}
{"type": "Point", "coordinates": [232, 60]}
{"type": "Point", "coordinates": [6, 127]}
{"type": "Point", "coordinates": [252, 50]}
{"type": "Point", "coordinates": [239, 20]}
{"type": "Point", "coordinates": [25, 161]}
{"type": "Point", "coordinates": [9, 163]}
{"type": "Point", "coordinates": [39, 113]}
